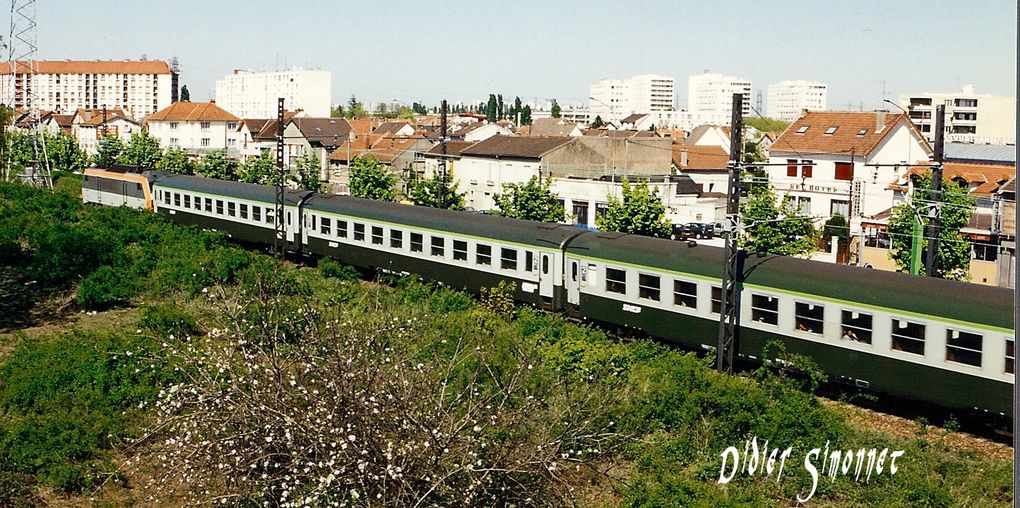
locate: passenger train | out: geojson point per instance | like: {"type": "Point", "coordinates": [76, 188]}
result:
{"type": "Point", "coordinates": [930, 340]}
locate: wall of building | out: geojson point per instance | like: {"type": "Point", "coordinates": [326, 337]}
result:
{"type": "Point", "coordinates": [787, 99]}
{"type": "Point", "coordinates": [139, 94]}
{"type": "Point", "coordinates": [710, 97]}
{"type": "Point", "coordinates": [190, 135]}
{"type": "Point", "coordinates": [249, 94]}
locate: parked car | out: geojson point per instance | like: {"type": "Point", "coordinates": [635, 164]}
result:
{"type": "Point", "coordinates": [680, 232]}
{"type": "Point", "coordinates": [701, 230]}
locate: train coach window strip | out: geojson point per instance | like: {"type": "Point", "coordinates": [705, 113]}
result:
{"type": "Point", "coordinates": [377, 235]}
{"type": "Point", "coordinates": [208, 205]}
{"type": "Point", "coordinates": [219, 207]}
{"type": "Point", "coordinates": [359, 232]}
{"type": "Point", "coordinates": [417, 242]}
{"type": "Point", "coordinates": [326, 226]}
{"type": "Point", "coordinates": [529, 261]}
{"type": "Point", "coordinates": [1010, 356]}
{"type": "Point", "coordinates": [177, 199]}
{"type": "Point", "coordinates": [809, 317]}
{"type": "Point", "coordinates": [460, 250]}
{"type": "Point", "coordinates": [256, 213]}
{"type": "Point", "coordinates": [508, 259]}
{"type": "Point", "coordinates": [908, 336]}
{"type": "Point", "coordinates": [716, 299]}
{"type": "Point", "coordinates": [963, 347]}
{"type": "Point", "coordinates": [685, 294]}
{"type": "Point", "coordinates": [396, 239]}
{"type": "Point", "coordinates": [765, 309]}
{"type": "Point", "coordinates": [856, 327]}
{"type": "Point", "coordinates": [232, 209]}
{"type": "Point", "coordinates": [166, 197]}
{"type": "Point", "coordinates": [187, 201]}
{"type": "Point", "coordinates": [244, 211]}
{"type": "Point", "coordinates": [341, 228]}
{"type": "Point", "coordinates": [616, 281]}
{"type": "Point", "coordinates": [649, 286]}
{"type": "Point", "coordinates": [483, 254]}
{"type": "Point", "coordinates": [438, 246]}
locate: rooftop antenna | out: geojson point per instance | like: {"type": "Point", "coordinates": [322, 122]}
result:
{"type": "Point", "coordinates": [21, 60]}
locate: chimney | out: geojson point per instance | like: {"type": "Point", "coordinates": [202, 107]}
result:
{"type": "Point", "coordinates": [879, 120]}
{"type": "Point", "coordinates": [683, 157]}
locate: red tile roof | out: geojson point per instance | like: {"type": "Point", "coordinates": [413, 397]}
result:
{"type": "Point", "coordinates": [700, 157]}
{"type": "Point", "coordinates": [855, 132]}
{"type": "Point", "coordinates": [988, 177]}
{"type": "Point", "coordinates": [193, 112]}
{"type": "Point", "coordinates": [92, 67]}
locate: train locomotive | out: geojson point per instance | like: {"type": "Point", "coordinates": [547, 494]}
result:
{"type": "Point", "coordinates": [929, 340]}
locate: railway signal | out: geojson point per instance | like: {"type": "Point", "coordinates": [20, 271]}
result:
{"type": "Point", "coordinates": [729, 312]}
{"type": "Point", "coordinates": [280, 239]}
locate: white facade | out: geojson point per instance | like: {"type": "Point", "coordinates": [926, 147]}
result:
{"type": "Point", "coordinates": [787, 99]}
{"type": "Point", "coordinates": [614, 99]}
{"type": "Point", "coordinates": [249, 94]}
{"type": "Point", "coordinates": [710, 97]}
{"type": "Point", "coordinates": [674, 119]}
{"type": "Point", "coordinates": [88, 136]}
{"type": "Point", "coordinates": [139, 87]}
{"type": "Point", "coordinates": [970, 118]}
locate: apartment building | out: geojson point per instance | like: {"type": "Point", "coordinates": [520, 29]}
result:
{"type": "Point", "coordinates": [788, 99]}
{"type": "Point", "coordinates": [249, 94]}
{"type": "Point", "coordinates": [710, 97]}
{"type": "Point", "coordinates": [970, 117]}
{"type": "Point", "coordinates": [614, 99]}
{"type": "Point", "coordinates": [140, 87]}
{"type": "Point", "coordinates": [198, 127]}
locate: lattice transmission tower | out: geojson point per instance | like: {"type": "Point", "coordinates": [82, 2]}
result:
{"type": "Point", "coordinates": [21, 59]}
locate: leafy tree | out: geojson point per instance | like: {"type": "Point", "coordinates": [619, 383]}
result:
{"type": "Point", "coordinates": [419, 108]}
{"type": "Point", "coordinates": [307, 176]}
{"type": "Point", "coordinates": [555, 110]}
{"type": "Point", "coordinates": [533, 200]}
{"type": "Point", "coordinates": [108, 151]}
{"type": "Point", "coordinates": [597, 122]}
{"type": "Point", "coordinates": [836, 226]}
{"type": "Point", "coordinates": [64, 153]}
{"type": "Point", "coordinates": [499, 107]}
{"type": "Point", "coordinates": [640, 212]}
{"type": "Point", "coordinates": [774, 227]}
{"type": "Point", "coordinates": [354, 108]}
{"type": "Point", "coordinates": [440, 191]}
{"type": "Point", "coordinates": [259, 169]}
{"type": "Point", "coordinates": [216, 164]}
{"type": "Point", "coordinates": [953, 261]}
{"type": "Point", "coordinates": [142, 150]}
{"type": "Point", "coordinates": [6, 119]}
{"type": "Point", "coordinates": [371, 180]}
{"type": "Point", "coordinates": [176, 161]}
{"type": "Point", "coordinates": [185, 94]}
{"type": "Point", "coordinates": [516, 111]}
{"type": "Point", "coordinates": [336, 111]}
{"type": "Point", "coordinates": [767, 124]}
{"type": "Point", "coordinates": [526, 115]}
{"type": "Point", "coordinates": [490, 108]}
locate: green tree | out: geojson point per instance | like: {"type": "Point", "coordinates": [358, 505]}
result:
{"type": "Point", "coordinates": [640, 212]}
{"type": "Point", "coordinates": [500, 113]}
{"type": "Point", "coordinates": [371, 180]}
{"type": "Point", "coordinates": [766, 124]}
{"type": "Point", "coordinates": [216, 164]}
{"type": "Point", "coordinates": [108, 152]}
{"type": "Point", "coordinates": [555, 110]}
{"type": "Point", "coordinates": [775, 227]}
{"type": "Point", "coordinates": [490, 108]}
{"type": "Point", "coordinates": [185, 94]}
{"type": "Point", "coordinates": [597, 122]}
{"type": "Point", "coordinates": [64, 153]}
{"type": "Point", "coordinates": [533, 200]}
{"type": "Point", "coordinates": [440, 191]}
{"type": "Point", "coordinates": [354, 108]}
{"type": "Point", "coordinates": [259, 169]}
{"type": "Point", "coordinates": [307, 175]}
{"type": "Point", "coordinates": [176, 161]}
{"type": "Point", "coordinates": [6, 119]}
{"type": "Point", "coordinates": [526, 115]}
{"type": "Point", "coordinates": [953, 261]}
{"type": "Point", "coordinates": [141, 150]}
{"type": "Point", "coordinates": [336, 111]}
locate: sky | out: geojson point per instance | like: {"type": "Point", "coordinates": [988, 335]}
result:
{"type": "Point", "coordinates": [381, 50]}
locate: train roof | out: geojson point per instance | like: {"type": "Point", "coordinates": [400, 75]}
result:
{"type": "Point", "coordinates": [955, 300]}
{"type": "Point", "coordinates": [540, 234]}
{"type": "Point", "coordinates": [251, 191]}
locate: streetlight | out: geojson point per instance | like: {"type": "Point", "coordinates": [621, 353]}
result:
{"type": "Point", "coordinates": [604, 104]}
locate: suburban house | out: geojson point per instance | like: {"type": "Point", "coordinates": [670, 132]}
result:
{"type": "Point", "coordinates": [710, 135]}
{"type": "Point", "coordinates": [479, 131]}
{"type": "Point", "coordinates": [394, 129]}
{"type": "Point", "coordinates": [401, 155]}
{"type": "Point", "coordinates": [555, 127]}
{"type": "Point", "coordinates": [91, 125]}
{"type": "Point", "coordinates": [255, 135]}
{"type": "Point", "coordinates": [707, 166]}
{"type": "Point", "coordinates": [198, 127]}
{"type": "Point", "coordinates": [638, 121]}
{"type": "Point", "coordinates": [433, 157]}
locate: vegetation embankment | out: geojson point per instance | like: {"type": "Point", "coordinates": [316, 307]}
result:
{"type": "Point", "coordinates": [245, 381]}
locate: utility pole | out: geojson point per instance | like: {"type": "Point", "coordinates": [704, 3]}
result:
{"type": "Point", "coordinates": [442, 150]}
{"type": "Point", "coordinates": [280, 240]}
{"type": "Point", "coordinates": [935, 212]}
{"type": "Point", "coordinates": [729, 312]}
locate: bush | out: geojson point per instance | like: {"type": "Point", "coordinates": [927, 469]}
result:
{"type": "Point", "coordinates": [104, 288]}
{"type": "Point", "coordinates": [332, 268]}
{"type": "Point", "coordinates": [167, 319]}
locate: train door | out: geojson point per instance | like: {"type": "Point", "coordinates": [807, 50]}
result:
{"type": "Point", "coordinates": [573, 281]}
{"type": "Point", "coordinates": [545, 275]}
{"type": "Point", "coordinates": [291, 224]}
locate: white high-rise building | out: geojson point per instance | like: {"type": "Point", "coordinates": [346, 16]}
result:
{"type": "Point", "coordinates": [249, 94]}
{"type": "Point", "coordinates": [970, 117]}
{"type": "Point", "coordinates": [140, 87]}
{"type": "Point", "coordinates": [788, 99]}
{"type": "Point", "coordinates": [614, 99]}
{"type": "Point", "coordinates": [710, 97]}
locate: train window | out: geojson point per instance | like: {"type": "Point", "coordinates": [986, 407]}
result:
{"type": "Point", "coordinates": [809, 317]}
{"type": "Point", "coordinates": [270, 217]}
{"type": "Point", "coordinates": [616, 280]}
{"type": "Point", "coordinates": [341, 228]}
{"type": "Point", "coordinates": [377, 235]}
{"type": "Point", "coordinates": [483, 254]}
{"type": "Point", "coordinates": [396, 239]}
{"type": "Point", "coordinates": [685, 294]}
{"type": "Point", "coordinates": [1010, 356]}
{"type": "Point", "coordinates": [244, 211]}
{"type": "Point", "coordinates": [765, 309]}
{"type": "Point", "coordinates": [508, 258]}
{"type": "Point", "coordinates": [907, 336]}
{"type": "Point", "coordinates": [545, 264]}
{"type": "Point", "coordinates": [856, 326]}
{"type": "Point", "coordinates": [288, 218]}
{"type": "Point", "coordinates": [208, 205]}
{"type": "Point", "coordinates": [648, 286]}
{"type": "Point", "coordinates": [326, 226]}
{"type": "Point", "coordinates": [256, 213]}
{"type": "Point", "coordinates": [417, 241]}
{"type": "Point", "coordinates": [963, 347]}
{"type": "Point", "coordinates": [166, 197]}
{"type": "Point", "coordinates": [187, 201]}
{"type": "Point", "coordinates": [177, 199]}
{"type": "Point", "coordinates": [219, 207]}
{"type": "Point", "coordinates": [232, 209]}
{"type": "Point", "coordinates": [716, 299]}
{"type": "Point", "coordinates": [460, 250]}
{"type": "Point", "coordinates": [573, 271]}
{"type": "Point", "coordinates": [438, 246]}
{"type": "Point", "coordinates": [359, 232]}
{"type": "Point", "coordinates": [529, 261]}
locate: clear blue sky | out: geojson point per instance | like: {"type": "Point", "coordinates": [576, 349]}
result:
{"type": "Point", "coordinates": [464, 50]}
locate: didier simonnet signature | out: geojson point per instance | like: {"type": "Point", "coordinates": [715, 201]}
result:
{"type": "Point", "coordinates": [766, 461]}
